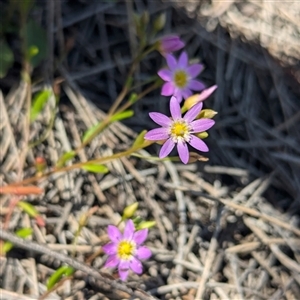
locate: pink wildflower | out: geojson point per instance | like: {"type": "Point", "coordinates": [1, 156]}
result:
{"type": "Point", "coordinates": [169, 44]}
{"type": "Point", "coordinates": [125, 250]}
{"type": "Point", "coordinates": [179, 130]}
{"type": "Point", "coordinates": [180, 77]}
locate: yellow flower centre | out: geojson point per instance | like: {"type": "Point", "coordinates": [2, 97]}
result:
{"type": "Point", "coordinates": [125, 250]}
{"type": "Point", "coordinates": [180, 130]}
{"type": "Point", "coordinates": [180, 78]}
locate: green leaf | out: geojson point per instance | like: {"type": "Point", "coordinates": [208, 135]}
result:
{"type": "Point", "coordinates": [90, 132]}
{"type": "Point", "coordinates": [28, 208]}
{"type": "Point", "coordinates": [22, 233]}
{"type": "Point", "coordinates": [95, 168]}
{"type": "Point", "coordinates": [140, 139]}
{"type": "Point", "coordinates": [38, 103]}
{"type": "Point", "coordinates": [66, 156]}
{"type": "Point", "coordinates": [6, 58]}
{"type": "Point", "coordinates": [36, 39]}
{"type": "Point", "coordinates": [122, 115]}
{"type": "Point", "coordinates": [58, 274]}
{"type": "Point", "coordinates": [133, 98]}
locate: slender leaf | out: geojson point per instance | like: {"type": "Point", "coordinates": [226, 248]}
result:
{"type": "Point", "coordinates": [122, 115]}
{"type": "Point", "coordinates": [22, 233]}
{"type": "Point", "coordinates": [90, 132]}
{"type": "Point", "coordinates": [28, 208]}
{"type": "Point", "coordinates": [140, 139]}
{"type": "Point", "coordinates": [38, 103]}
{"type": "Point", "coordinates": [66, 156]}
{"type": "Point", "coordinates": [58, 274]}
{"type": "Point", "coordinates": [95, 168]}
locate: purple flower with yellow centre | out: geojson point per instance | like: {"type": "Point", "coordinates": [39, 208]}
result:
{"type": "Point", "coordinates": [179, 130]}
{"type": "Point", "coordinates": [125, 250]}
{"type": "Point", "coordinates": [180, 76]}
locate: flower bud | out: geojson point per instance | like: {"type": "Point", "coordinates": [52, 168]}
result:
{"type": "Point", "coordinates": [191, 101]}
{"type": "Point", "coordinates": [169, 44]}
{"type": "Point", "coordinates": [146, 224]}
{"type": "Point", "coordinates": [206, 114]}
{"type": "Point", "coordinates": [159, 22]}
{"type": "Point", "coordinates": [130, 210]}
{"type": "Point", "coordinates": [202, 135]}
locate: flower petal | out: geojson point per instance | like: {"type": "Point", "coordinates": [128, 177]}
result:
{"type": "Point", "coordinates": [157, 134]}
{"type": "Point", "coordinates": [207, 92]}
{"type": "Point", "coordinates": [110, 248]}
{"type": "Point", "coordinates": [201, 125]}
{"type": "Point", "coordinates": [198, 144]}
{"type": "Point", "coordinates": [166, 148]}
{"type": "Point", "coordinates": [175, 108]}
{"type": "Point", "coordinates": [196, 85]}
{"type": "Point", "coordinates": [136, 266]}
{"type": "Point", "coordinates": [165, 74]}
{"type": "Point", "coordinates": [140, 236]}
{"type": "Point", "coordinates": [167, 89]}
{"type": "Point", "coordinates": [171, 61]}
{"type": "Point", "coordinates": [114, 233]}
{"type": "Point", "coordinates": [195, 70]}
{"type": "Point", "coordinates": [129, 230]}
{"type": "Point", "coordinates": [123, 269]}
{"type": "Point", "coordinates": [186, 93]}
{"type": "Point", "coordinates": [183, 60]}
{"type": "Point", "coordinates": [178, 95]}
{"type": "Point", "coordinates": [183, 152]}
{"type": "Point", "coordinates": [112, 261]}
{"type": "Point", "coordinates": [160, 119]}
{"type": "Point", "coordinates": [193, 112]}
{"type": "Point", "coordinates": [143, 253]}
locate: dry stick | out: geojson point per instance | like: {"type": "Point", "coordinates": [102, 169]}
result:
{"type": "Point", "coordinates": [247, 210]}
{"type": "Point", "coordinates": [211, 254]}
{"type": "Point", "coordinates": [105, 278]}
{"type": "Point", "coordinates": [182, 230]}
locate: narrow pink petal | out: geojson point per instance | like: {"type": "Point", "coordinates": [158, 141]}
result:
{"type": "Point", "coordinates": [195, 70]}
{"type": "Point", "coordinates": [110, 248]}
{"type": "Point", "coordinates": [157, 134]}
{"type": "Point", "coordinates": [207, 92]}
{"type": "Point", "coordinates": [171, 43]}
{"type": "Point", "coordinates": [165, 74]}
{"type": "Point", "coordinates": [123, 269]}
{"type": "Point", "coordinates": [166, 148]}
{"type": "Point", "coordinates": [143, 253]}
{"type": "Point", "coordinates": [198, 144]}
{"type": "Point", "coordinates": [129, 230]}
{"type": "Point", "coordinates": [186, 93]}
{"type": "Point", "coordinates": [201, 125]}
{"type": "Point", "coordinates": [183, 152]}
{"type": "Point", "coordinates": [136, 266]}
{"type": "Point", "coordinates": [178, 95]}
{"type": "Point", "coordinates": [175, 108]}
{"type": "Point", "coordinates": [193, 112]}
{"type": "Point", "coordinates": [196, 85]}
{"type": "Point", "coordinates": [171, 61]}
{"type": "Point", "coordinates": [140, 236]}
{"type": "Point", "coordinates": [114, 233]}
{"type": "Point", "coordinates": [183, 60]}
{"type": "Point", "coordinates": [160, 119]}
{"type": "Point", "coordinates": [112, 261]}
{"type": "Point", "coordinates": [167, 89]}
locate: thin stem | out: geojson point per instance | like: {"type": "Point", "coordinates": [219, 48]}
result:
{"type": "Point", "coordinates": [101, 160]}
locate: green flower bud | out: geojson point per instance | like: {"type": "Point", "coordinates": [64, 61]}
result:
{"type": "Point", "coordinates": [130, 210]}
